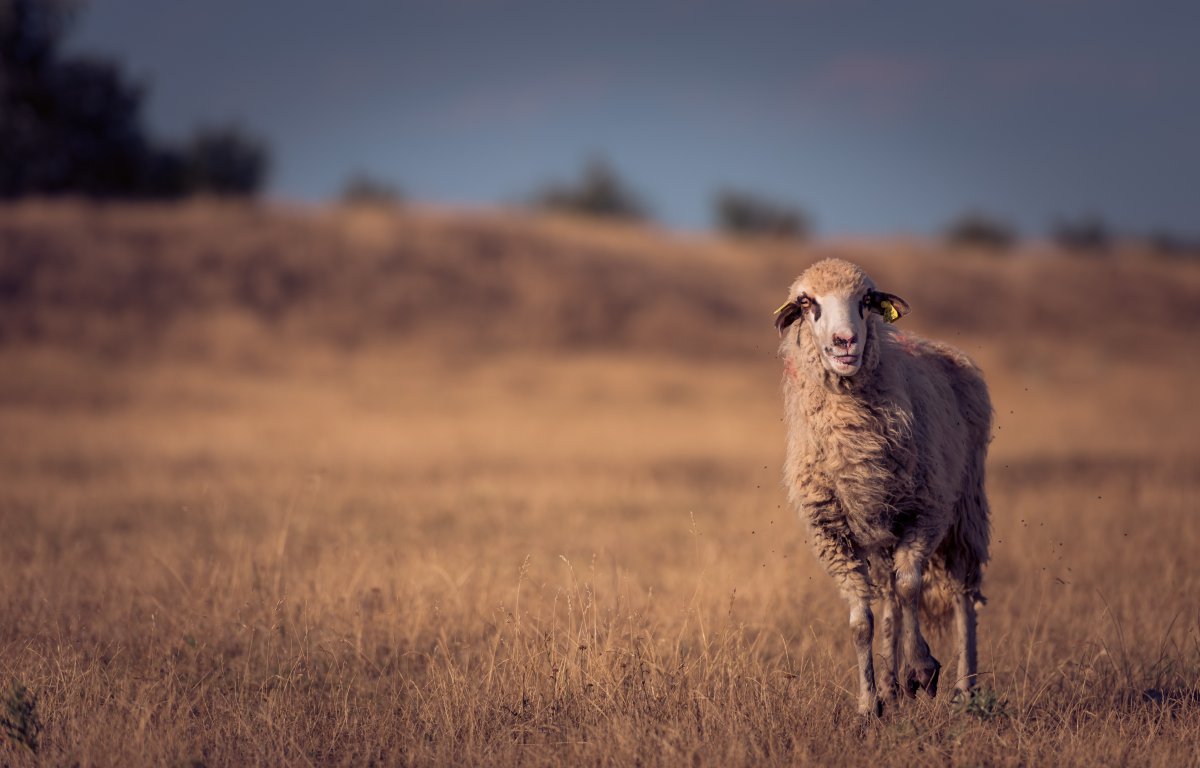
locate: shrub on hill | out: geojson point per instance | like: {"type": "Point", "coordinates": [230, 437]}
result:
{"type": "Point", "coordinates": [978, 230]}
{"type": "Point", "coordinates": [364, 189]}
{"type": "Point", "coordinates": [599, 191]}
{"type": "Point", "coordinates": [744, 213]}
{"type": "Point", "coordinates": [1086, 233]}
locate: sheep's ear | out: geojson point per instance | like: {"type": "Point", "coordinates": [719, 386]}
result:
{"type": "Point", "coordinates": [889, 305]}
{"type": "Point", "coordinates": [787, 314]}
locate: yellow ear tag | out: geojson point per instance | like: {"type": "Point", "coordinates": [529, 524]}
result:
{"type": "Point", "coordinates": [889, 312]}
{"type": "Point", "coordinates": [782, 307]}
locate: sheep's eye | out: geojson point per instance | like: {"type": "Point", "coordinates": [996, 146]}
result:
{"type": "Point", "coordinates": [806, 304]}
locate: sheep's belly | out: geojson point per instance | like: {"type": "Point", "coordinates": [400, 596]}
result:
{"type": "Point", "coordinates": [872, 535]}
{"type": "Point", "coordinates": [870, 526]}
{"type": "Point", "coordinates": [868, 513]}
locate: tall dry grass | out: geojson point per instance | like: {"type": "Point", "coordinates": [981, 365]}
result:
{"type": "Point", "coordinates": [386, 519]}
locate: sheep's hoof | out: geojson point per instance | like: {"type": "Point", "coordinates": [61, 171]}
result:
{"type": "Point", "coordinates": [925, 678]}
{"type": "Point", "coordinates": [890, 692]}
{"type": "Point", "coordinates": [872, 707]}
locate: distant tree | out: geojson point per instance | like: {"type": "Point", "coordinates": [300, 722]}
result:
{"type": "Point", "coordinates": [66, 125]}
{"type": "Point", "coordinates": [1087, 233]}
{"type": "Point", "coordinates": [363, 189]}
{"type": "Point", "coordinates": [743, 213]}
{"type": "Point", "coordinates": [30, 33]}
{"type": "Point", "coordinates": [74, 125]}
{"type": "Point", "coordinates": [598, 192]}
{"type": "Point", "coordinates": [164, 173]}
{"type": "Point", "coordinates": [978, 230]}
{"type": "Point", "coordinates": [225, 161]}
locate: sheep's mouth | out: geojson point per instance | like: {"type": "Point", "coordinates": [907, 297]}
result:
{"type": "Point", "coordinates": [844, 365]}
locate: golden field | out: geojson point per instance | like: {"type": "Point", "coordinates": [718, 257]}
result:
{"type": "Point", "coordinates": [360, 486]}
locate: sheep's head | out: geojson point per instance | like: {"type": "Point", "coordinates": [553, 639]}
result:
{"type": "Point", "coordinates": [833, 300]}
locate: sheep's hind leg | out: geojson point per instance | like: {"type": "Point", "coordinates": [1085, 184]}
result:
{"type": "Point", "coordinates": [922, 670]}
{"type": "Point", "coordinates": [889, 619]}
{"type": "Point", "coordinates": [964, 624]}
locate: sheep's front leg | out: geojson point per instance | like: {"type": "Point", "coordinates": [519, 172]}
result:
{"type": "Point", "coordinates": [922, 669]}
{"type": "Point", "coordinates": [862, 628]}
{"type": "Point", "coordinates": [850, 573]}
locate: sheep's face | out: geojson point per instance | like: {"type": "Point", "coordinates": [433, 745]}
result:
{"type": "Point", "coordinates": [831, 302]}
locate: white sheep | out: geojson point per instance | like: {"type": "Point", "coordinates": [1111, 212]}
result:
{"type": "Point", "coordinates": [887, 434]}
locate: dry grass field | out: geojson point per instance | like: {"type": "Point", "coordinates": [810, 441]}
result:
{"type": "Point", "coordinates": [360, 487]}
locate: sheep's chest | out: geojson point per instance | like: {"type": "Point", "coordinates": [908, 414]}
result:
{"type": "Point", "coordinates": [857, 474]}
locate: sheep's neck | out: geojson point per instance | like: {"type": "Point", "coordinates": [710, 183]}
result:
{"type": "Point", "coordinates": [810, 372]}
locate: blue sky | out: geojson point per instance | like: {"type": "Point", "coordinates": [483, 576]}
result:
{"type": "Point", "coordinates": [875, 118]}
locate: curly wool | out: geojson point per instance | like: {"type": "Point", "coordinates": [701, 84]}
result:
{"type": "Point", "coordinates": [897, 449]}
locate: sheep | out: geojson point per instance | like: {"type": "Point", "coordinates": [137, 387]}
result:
{"type": "Point", "coordinates": [887, 435]}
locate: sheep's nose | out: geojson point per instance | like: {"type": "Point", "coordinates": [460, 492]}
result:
{"type": "Point", "coordinates": [844, 339]}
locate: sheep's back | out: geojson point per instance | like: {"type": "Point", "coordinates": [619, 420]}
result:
{"type": "Point", "coordinates": [951, 412]}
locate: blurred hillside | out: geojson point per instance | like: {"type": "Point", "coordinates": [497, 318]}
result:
{"type": "Point", "coordinates": [342, 485]}
{"type": "Point", "coordinates": [203, 279]}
